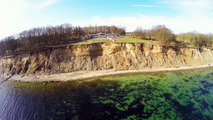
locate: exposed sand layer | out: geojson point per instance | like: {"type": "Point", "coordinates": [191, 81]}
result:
{"type": "Point", "coordinates": [63, 77]}
{"type": "Point", "coordinates": [104, 57]}
{"type": "Point", "coordinates": [74, 62]}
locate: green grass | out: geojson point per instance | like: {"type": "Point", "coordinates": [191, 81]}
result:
{"type": "Point", "coordinates": [118, 40]}
{"type": "Point", "coordinates": [132, 40]}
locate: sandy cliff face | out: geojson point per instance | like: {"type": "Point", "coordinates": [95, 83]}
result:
{"type": "Point", "coordinates": [104, 56]}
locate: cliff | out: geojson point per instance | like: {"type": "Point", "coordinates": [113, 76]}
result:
{"type": "Point", "coordinates": [104, 56]}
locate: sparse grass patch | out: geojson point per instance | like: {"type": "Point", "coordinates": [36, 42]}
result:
{"type": "Point", "coordinates": [117, 40]}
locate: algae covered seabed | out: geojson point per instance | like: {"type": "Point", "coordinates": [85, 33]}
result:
{"type": "Point", "coordinates": [163, 95]}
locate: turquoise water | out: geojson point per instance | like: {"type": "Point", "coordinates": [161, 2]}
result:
{"type": "Point", "coordinates": [180, 95]}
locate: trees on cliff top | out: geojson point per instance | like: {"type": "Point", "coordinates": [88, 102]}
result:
{"type": "Point", "coordinates": [105, 29]}
{"type": "Point", "coordinates": [159, 33]}
{"type": "Point", "coordinates": [162, 34]}
{"type": "Point", "coordinates": [196, 39]}
{"type": "Point", "coordinates": [165, 36]}
{"type": "Point", "coordinates": [41, 37]}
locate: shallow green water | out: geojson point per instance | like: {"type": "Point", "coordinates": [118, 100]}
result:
{"type": "Point", "coordinates": [180, 95]}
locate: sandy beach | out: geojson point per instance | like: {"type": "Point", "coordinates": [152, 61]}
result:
{"type": "Point", "coordinates": [63, 77]}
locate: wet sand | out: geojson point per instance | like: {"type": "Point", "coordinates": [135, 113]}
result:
{"type": "Point", "coordinates": [89, 74]}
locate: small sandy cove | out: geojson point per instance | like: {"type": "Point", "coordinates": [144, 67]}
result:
{"type": "Point", "coordinates": [87, 74]}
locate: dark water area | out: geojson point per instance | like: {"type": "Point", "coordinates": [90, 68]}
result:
{"type": "Point", "coordinates": [180, 95]}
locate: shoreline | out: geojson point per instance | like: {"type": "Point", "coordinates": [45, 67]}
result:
{"type": "Point", "coordinates": [81, 75]}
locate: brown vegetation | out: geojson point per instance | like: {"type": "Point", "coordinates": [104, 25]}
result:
{"type": "Point", "coordinates": [196, 39]}
{"type": "Point", "coordinates": [38, 38]}
{"type": "Point", "coordinates": [41, 37]}
{"type": "Point", "coordinates": [158, 33]}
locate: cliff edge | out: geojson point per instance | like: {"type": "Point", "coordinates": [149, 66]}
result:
{"type": "Point", "coordinates": [104, 56]}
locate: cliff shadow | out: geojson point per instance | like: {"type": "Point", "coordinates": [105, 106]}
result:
{"type": "Point", "coordinates": [96, 50]}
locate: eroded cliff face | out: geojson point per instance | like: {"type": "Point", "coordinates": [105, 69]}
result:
{"type": "Point", "coordinates": [104, 56]}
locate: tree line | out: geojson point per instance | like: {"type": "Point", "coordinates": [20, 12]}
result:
{"type": "Point", "coordinates": [41, 37]}
{"type": "Point", "coordinates": [157, 33]}
{"type": "Point", "coordinates": [164, 35]}
{"type": "Point", "coordinates": [196, 39]}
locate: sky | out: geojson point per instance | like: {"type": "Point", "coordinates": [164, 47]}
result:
{"type": "Point", "coordinates": [178, 15]}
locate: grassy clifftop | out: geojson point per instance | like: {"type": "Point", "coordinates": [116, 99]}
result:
{"type": "Point", "coordinates": [117, 40]}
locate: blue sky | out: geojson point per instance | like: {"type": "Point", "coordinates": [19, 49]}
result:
{"type": "Point", "coordinates": [179, 15]}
